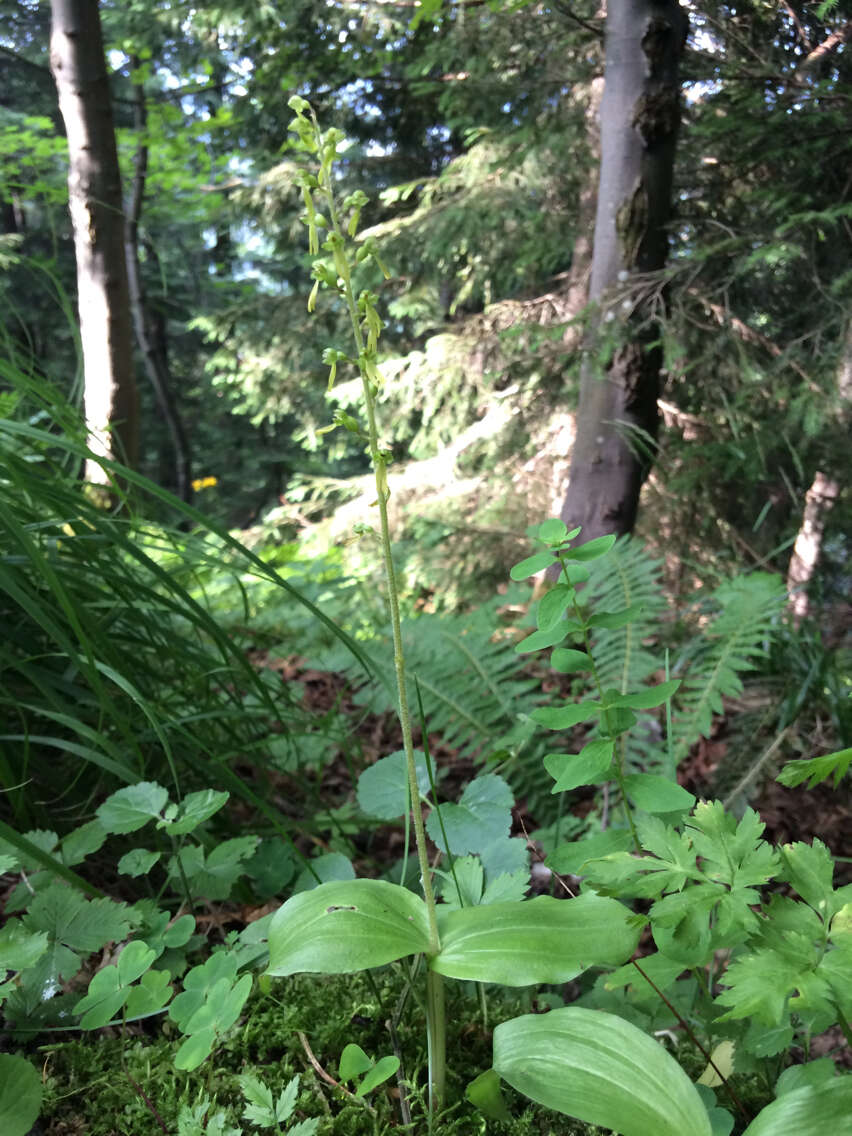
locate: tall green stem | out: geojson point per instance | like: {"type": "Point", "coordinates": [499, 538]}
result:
{"type": "Point", "coordinates": [435, 1013]}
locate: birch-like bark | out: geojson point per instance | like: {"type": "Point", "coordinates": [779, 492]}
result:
{"type": "Point", "coordinates": [94, 193]}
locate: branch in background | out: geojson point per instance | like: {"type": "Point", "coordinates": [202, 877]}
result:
{"type": "Point", "coordinates": [153, 352]}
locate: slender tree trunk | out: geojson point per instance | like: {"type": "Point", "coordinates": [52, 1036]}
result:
{"type": "Point", "coordinates": [617, 417]}
{"type": "Point", "coordinates": [151, 344]}
{"type": "Point", "coordinates": [94, 191]}
{"type": "Point", "coordinates": [820, 499]}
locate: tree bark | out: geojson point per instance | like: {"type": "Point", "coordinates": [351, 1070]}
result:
{"type": "Point", "coordinates": [151, 343]}
{"type": "Point", "coordinates": [94, 191]}
{"type": "Point", "coordinates": [617, 418]}
{"type": "Point", "coordinates": [820, 499]}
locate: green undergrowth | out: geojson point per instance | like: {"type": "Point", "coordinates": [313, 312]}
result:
{"type": "Point", "coordinates": [95, 1085]}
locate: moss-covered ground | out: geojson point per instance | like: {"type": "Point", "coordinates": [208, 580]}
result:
{"type": "Point", "coordinates": [114, 1085]}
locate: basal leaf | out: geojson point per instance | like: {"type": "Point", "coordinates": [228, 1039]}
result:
{"type": "Point", "coordinates": [540, 940]}
{"type": "Point", "coordinates": [20, 1095]}
{"type": "Point", "coordinates": [353, 1062]}
{"type": "Point", "coordinates": [339, 928]}
{"type": "Point", "coordinates": [601, 1069]}
{"type": "Point", "coordinates": [809, 1111]}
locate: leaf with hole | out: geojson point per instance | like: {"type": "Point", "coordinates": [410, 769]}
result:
{"type": "Point", "coordinates": [343, 927]}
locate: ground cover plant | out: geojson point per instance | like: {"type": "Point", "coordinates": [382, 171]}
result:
{"type": "Point", "coordinates": [745, 949]}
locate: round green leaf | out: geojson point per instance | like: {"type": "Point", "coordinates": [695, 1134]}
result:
{"type": "Point", "coordinates": [538, 940]}
{"type": "Point", "coordinates": [20, 1095]}
{"type": "Point", "coordinates": [383, 786]}
{"type": "Point", "coordinates": [342, 927]}
{"type": "Point", "coordinates": [552, 531]}
{"type": "Point", "coordinates": [353, 1062]}
{"type": "Point", "coordinates": [600, 1069]}
{"type": "Point", "coordinates": [129, 808]}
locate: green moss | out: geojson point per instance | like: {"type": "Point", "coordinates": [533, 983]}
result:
{"type": "Point", "coordinates": [109, 1085]}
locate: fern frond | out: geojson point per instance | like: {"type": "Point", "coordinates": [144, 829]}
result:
{"type": "Point", "coordinates": [711, 667]}
{"type": "Point", "coordinates": [626, 576]}
{"type": "Point", "coordinates": [472, 686]}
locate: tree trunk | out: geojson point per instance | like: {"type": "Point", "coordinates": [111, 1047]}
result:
{"type": "Point", "coordinates": [94, 191]}
{"type": "Point", "coordinates": [820, 499]}
{"type": "Point", "coordinates": [151, 343]}
{"type": "Point", "coordinates": [617, 417]}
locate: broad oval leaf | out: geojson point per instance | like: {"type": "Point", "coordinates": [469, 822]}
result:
{"type": "Point", "coordinates": [584, 768]}
{"type": "Point", "coordinates": [564, 717]}
{"type": "Point", "coordinates": [538, 940]}
{"type": "Point", "coordinates": [592, 549]}
{"type": "Point", "coordinates": [20, 1095]}
{"type": "Point", "coordinates": [541, 639]}
{"type": "Point", "coordinates": [657, 794]}
{"type": "Point", "coordinates": [601, 1069]}
{"type": "Point", "coordinates": [346, 926]}
{"type": "Point", "coordinates": [130, 808]}
{"type": "Point", "coordinates": [811, 1111]}
{"type": "Point", "coordinates": [567, 661]}
{"type": "Point", "coordinates": [552, 606]}
{"type": "Point", "coordinates": [531, 565]}
{"type": "Point", "coordinates": [647, 699]}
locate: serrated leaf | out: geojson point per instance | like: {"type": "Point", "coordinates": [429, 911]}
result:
{"type": "Point", "coordinates": [383, 786]}
{"type": "Point", "coordinates": [816, 769]}
{"type": "Point", "coordinates": [81, 924]}
{"type": "Point", "coordinates": [82, 842]}
{"type": "Point", "coordinates": [601, 1069]}
{"type": "Point", "coordinates": [287, 1100]}
{"type": "Point", "coordinates": [584, 768]}
{"type": "Point", "coordinates": [195, 809]}
{"type": "Point", "coordinates": [539, 940]}
{"type": "Point", "coordinates": [260, 1106]}
{"type": "Point", "coordinates": [810, 869]}
{"type": "Point", "coordinates": [130, 808]}
{"type": "Point", "coordinates": [137, 862]}
{"type": "Point", "coordinates": [339, 928]}
{"type": "Point", "coordinates": [526, 568]}
{"type": "Point", "coordinates": [303, 1128]}
{"type": "Point", "coordinates": [19, 947]}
